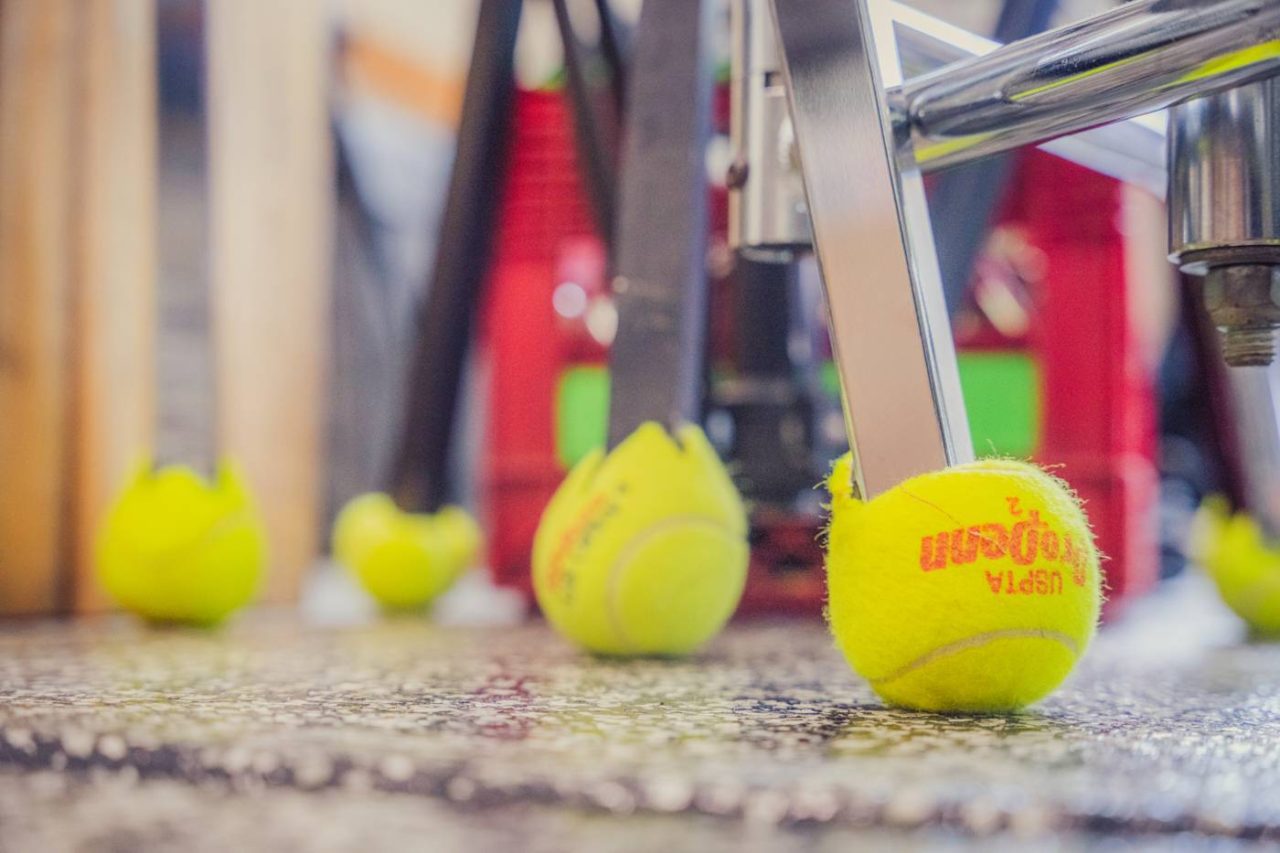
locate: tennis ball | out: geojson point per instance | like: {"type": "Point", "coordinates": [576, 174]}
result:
{"type": "Point", "coordinates": [643, 551]}
{"type": "Point", "coordinates": [176, 548]}
{"type": "Point", "coordinates": [1244, 566]}
{"type": "Point", "coordinates": [403, 559]}
{"type": "Point", "coordinates": [975, 588]}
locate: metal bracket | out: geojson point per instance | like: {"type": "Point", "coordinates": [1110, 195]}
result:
{"type": "Point", "coordinates": [890, 331]}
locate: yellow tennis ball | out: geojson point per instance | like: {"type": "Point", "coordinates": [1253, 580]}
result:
{"type": "Point", "coordinates": [643, 551]}
{"type": "Point", "coordinates": [403, 559]}
{"type": "Point", "coordinates": [1204, 541]}
{"type": "Point", "coordinates": [973, 589]}
{"type": "Point", "coordinates": [462, 537]}
{"type": "Point", "coordinates": [1244, 566]}
{"type": "Point", "coordinates": [176, 548]}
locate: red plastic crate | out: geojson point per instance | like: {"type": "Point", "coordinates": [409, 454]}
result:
{"type": "Point", "coordinates": [1098, 415]}
{"type": "Point", "coordinates": [1098, 410]}
{"type": "Point", "coordinates": [543, 207]}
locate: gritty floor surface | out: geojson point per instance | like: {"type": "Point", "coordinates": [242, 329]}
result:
{"type": "Point", "coordinates": [280, 734]}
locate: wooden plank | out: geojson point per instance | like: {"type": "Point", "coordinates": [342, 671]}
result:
{"type": "Point", "coordinates": [36, 59]}
{"type": "Point", "coordinates": [270, 219]}
{"type": "Point", "coordinates": [114, 271]}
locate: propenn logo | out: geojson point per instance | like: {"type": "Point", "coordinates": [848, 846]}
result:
{"type": "Point", "coordinates": [1024, 543]}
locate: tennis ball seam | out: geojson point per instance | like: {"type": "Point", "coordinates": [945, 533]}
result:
{"type": "Point", "coordinates": [633, 546]}
{"type": "Point", "coordinates": [973, 642]}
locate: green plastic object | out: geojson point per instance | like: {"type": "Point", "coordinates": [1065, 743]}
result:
{"type": "Point", "coordinates": [582, 412]}
{"type": "Point", "coordinates": [1001, 393]}
{"type": "Point", "coordinates": [1002, 396]}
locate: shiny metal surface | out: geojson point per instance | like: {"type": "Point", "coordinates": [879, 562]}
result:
{"type": "Point", "coordinates": [1224, 184]}
{"type": "Point", "coordinates": [764, 218]}
{"type": "Point", "coordinates": [1142, 56]}
{"type": "Point", "coordinates": [1243, 301]}
{"type": "Point", "coordinates": [1224, 212]}
{"type": "Point", "coordinates": [904, 410]}
{"type": "Point", "coordinates": [768, 218]}
{"type": "Point", "coordinates": [1132, 150]}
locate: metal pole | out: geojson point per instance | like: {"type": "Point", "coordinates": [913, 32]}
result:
{"type": "Point", "coordinates": [1143, 56]}
{"type": "Point", "coordinates": [1131, 150]}
{"type": "Point", "coordinates": [904, 411]}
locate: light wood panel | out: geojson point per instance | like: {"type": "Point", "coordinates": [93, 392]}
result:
{"type": "Point", "coordinates": [36, 62]}
{"type": "Point", "coordinates": [271, 214]}
{"type": "Point", "coordinates": [114, 316]}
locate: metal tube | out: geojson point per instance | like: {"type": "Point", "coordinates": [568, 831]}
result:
{"type": "Point", "coordinates": [768, 219]}
{"type": "Point", "coordinates": [1143, 56]}
{"type": "Point", "coordinates": [1224, 212]}
{"type": "Point", "coordinates": [1224, 187]}
{"type": "Point", "coordinates": [767, 214]}
{"type": "Point", "coordinates": [1131, 151]}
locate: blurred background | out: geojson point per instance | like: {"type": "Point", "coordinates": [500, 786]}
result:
{"type": "Point", "coordinates": [218, 223]}
{"type": "Point", "coordinates": [221, 232]}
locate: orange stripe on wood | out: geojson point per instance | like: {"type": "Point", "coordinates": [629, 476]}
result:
{"type": "Point", "coordinates": [433, 94]}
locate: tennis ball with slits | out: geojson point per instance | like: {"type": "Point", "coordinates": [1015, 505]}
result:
{"type": "Point", "coordinates": [177, 548]}
{"type": "Point", "coordinates": [643, 551]}
{"type": "Point", "coordinates": [405, 560]}
{"type": "Point", "coordinates": [975, 588]}
{"type": "Point", "coordinates": [1244, 566]}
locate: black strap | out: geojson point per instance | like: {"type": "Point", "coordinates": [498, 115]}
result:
{"type": "Point", "coordinates": [661, 282]}
{"type": "Point", "coordinates": [420, 479]}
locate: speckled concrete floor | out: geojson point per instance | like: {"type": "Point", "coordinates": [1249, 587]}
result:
{"type": "Point", "coordinates": [276, 733]}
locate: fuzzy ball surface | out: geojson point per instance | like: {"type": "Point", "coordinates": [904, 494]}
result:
{"type": "Point", "coordinates": [176, 548]}
{"type": "Point", "coordinates": [643, 551]}
{"type": "Point", "coordinates": [972, 589]}
{"type": "Point", "coordinates": [404, 560]}
{"type": "Point", "coordinates": [1244, 565]}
